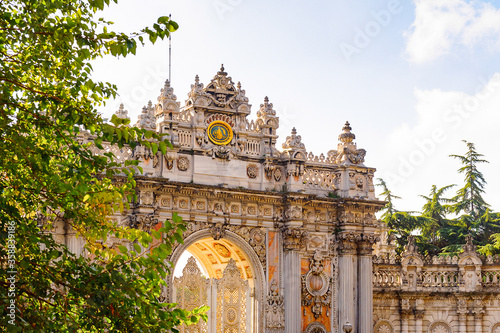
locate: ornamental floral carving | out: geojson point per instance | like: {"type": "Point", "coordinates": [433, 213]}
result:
{"type": "Point", "coordinates": [293, 238]}
{"type": "Point", "coordinates": [275, 315]}
{"type": "Point", "coordinates": [142, 222]}
{"type": "Point", "coordinates": [182, 163]}
{"type": "Point", "coordinates": [252, 171]}
{"type": "Point", "coordinates": [316, 286]}
{"type": "Point", "coordinates": [440, 328]}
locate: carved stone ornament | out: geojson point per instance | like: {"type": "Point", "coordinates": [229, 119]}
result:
{"type": "Point", "coordinates": [142, 222]}
{"type": "Point", "coordinates": [147, 198]}
{"type": "Point", "coordinates": [182, 163]}
{"type": "Point", "coordinates": [217, 231]}
{"type": "Point", "coordinates": [170, 157]}
{"type": "Point", "coordinates": [316, 286]}
{"type": "Point", "coordinates": [278, 174]}
{"type": "Point", "coordinates": [147, 119]}
{"type": "Point", "coordinates": [316, 327]}
{"type": "Point", "coordinates": [222, 152]}
{"type": "Point", "coordinates": [252, 171]}
{"type": "Point", "coordinates": [440, 328]}
{"type": "Point", "coordinates": [275, 315]}
{"type": "Point", "coordinates": [268, 169]}
{"type": "Point", "coordinates": [347, 152]}
{"type": "Point", "coordinates": [347, 242]}
{"type": "Point", "coordinates": [293, 238]}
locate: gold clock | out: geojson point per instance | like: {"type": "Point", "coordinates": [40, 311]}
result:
{"type": "Point", "coordinates": [220, 132]}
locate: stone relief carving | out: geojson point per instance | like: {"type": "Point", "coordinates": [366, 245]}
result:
{"type": "Point", "coordinates": [142, 222]}
{"type": "Point", "coordinates": [222, 152]}
{"type": "Point", "coordinates": [146, 198]}
{"type": "Point", "coordinates": [347, 153]}
{"type": "Point", "coordinates": [293, 238]}
{"type": "Point", "coordinates": [316, 287]}
{"type": "Point", "coordinates": [182, 163]}
{"type": "Point", "coordinates": [440, 328]}
{"type": "Point", "coordinates": [275, 315]}
{"type": "Point", "coordinates": [252, 171]}
{"type": "Point", "coordinates": [316, 327]}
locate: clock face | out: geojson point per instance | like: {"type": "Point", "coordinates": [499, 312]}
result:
{"type": "Point", "coordinates": [220, 132]}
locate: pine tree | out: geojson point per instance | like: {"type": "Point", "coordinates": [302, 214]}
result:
{"type": "Point", "coordinates": [469, 198]}
{"type": "Point", "coordinates": [434, 219]}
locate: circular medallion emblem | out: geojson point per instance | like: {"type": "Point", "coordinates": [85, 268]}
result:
{"type": "Point", "coordinates": [220, 132]}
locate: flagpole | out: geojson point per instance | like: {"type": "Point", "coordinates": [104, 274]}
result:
{"type": "Point", "coordinates": [170, 54]}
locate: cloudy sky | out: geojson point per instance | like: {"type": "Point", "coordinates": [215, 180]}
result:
{"type": "Point", "coordinates": [413, 78]}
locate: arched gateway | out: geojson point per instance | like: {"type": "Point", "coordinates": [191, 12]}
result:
{"type": "Point", "coordinates": [297, 228]}
{"type": "Point", "coordinates": [286, 235]}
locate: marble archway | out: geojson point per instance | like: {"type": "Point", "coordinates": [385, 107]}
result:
{"type": "Point", "coordinates": [214, 256]}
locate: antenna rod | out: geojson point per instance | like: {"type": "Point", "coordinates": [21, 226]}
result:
{"type": "Point", "coordinates": [170, 54]}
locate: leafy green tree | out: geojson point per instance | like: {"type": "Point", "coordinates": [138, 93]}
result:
{"type": "Point", "coordinates": [401, 224]}
{"type": "Point", "coordinates": [434, 220]}
{"type": "Point", "coordinates": [48, 100]}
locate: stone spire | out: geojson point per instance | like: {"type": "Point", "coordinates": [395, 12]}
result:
{"type": "Point", "coordinates": [347, 152]}
{"type": "Point", "coordinates": [167, 100]}
{"type": "Point", "coordinates": [147, 119]}
{"type": "Point", "coordinates": [121, 112]}
{"type": "Point", "coordinates": [294, 147]}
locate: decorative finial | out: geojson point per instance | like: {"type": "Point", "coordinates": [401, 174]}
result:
{"type": "Point", "coordinates": [167, 83]}
{"type": "Point", "coordinates": [197, 79]}
{"type": "Point", "coordinates": [266, 99]}
{"type": "Point", "coordinates": [221, 72]}
{"type": "Point", "coordinates": [238, 85]}
{"type": "Point", "coordinates": [347, 126]}
{"type": "Point", "coordinates": [347, 136]}
{"type": "Point", "coordinates": [294, 131]}
{"type": "Point", "coordinates": [121, 112]}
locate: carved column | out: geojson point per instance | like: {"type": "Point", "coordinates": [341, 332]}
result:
{"type": "Point", "coordinates": [419, 315]}
{"type": "Point", "coordinates": [347, 270]}
{"type": "Point", "coordinates": [293, 239]}
{"type": "Point", "coordinates": [462, 315]}
{"type": "Point", "coordinates": [478, 312]}
{"type": "Point", "coordinates": [365, 284]}
{"type": "Point", "coordinates": [405, 318]}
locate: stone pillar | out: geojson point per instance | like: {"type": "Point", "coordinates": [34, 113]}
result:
{"type": "Point", "coordinates": [347, 267]}
{"type": "Point", "coordinates": [478, 320]}
{"type": "Point", "coordinates": [462, 314]}
{"type": "Point", "coordinates": [405, 318]}
{"type": "Point", "coordinates": [478, 312]}
{"type": "Point", "coordinates": [293, 239]}
{"type": "Point", "coordinates": [419, 315]}
{"type": "Point", "coordinates": [462, 322]}
{"type": "Point", "coordinates": [365, 285]}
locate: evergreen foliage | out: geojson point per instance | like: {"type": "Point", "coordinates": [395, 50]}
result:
{"type": "Point", "coordinates": [443, 223]}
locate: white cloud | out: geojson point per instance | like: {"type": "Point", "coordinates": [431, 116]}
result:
{"type": "Point", "coordinates": [418, 155]}
{"type": "Point", "coordinates": [440, 26]}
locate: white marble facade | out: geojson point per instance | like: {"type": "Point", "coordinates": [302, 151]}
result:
{"type": "Point", "coordinates": [300, 228]}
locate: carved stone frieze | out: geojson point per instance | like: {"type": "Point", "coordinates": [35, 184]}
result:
{"type": "Point", "coordinates": [293, 238]}
{"type": "Point", "coordinates": [142, 222]}
{"type": "Point", "coordinates": [347, 242]}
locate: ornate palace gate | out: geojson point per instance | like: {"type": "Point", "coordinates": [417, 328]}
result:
{"type": "Point", "coordinates": [229, 299]}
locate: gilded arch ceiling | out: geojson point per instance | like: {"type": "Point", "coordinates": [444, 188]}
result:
{"type": "Point", "coordinates": [215, 254]}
